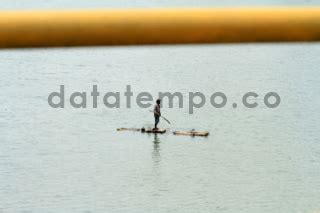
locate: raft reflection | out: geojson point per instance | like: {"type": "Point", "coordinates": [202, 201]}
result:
{"type": "Point", "coordinates": [156, 156]}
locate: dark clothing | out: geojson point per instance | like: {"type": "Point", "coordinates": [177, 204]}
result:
{"type": "Point", "coordinates": [157, 115]}
{"type": "Point", "coordinates": [156, 121]}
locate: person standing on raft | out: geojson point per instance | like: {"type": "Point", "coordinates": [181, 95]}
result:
{"type": "Point", "coordinates": [157, 114]}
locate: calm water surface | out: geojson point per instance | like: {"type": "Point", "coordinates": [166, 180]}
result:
{"type": "Point", "coordinates": [74, 160]}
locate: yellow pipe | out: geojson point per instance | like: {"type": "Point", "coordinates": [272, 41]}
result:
{"type": "Point", "coordinates": [157, 26]}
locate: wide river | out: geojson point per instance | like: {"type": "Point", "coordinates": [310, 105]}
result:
{"type": "Point", "coordinates": [73, 160]}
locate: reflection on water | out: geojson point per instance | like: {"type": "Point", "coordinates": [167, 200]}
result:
{"type": "Point", "coordinates": [156, 156]}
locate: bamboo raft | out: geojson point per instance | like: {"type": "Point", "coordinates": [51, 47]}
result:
{"type": "Point", "coordinates": [192, 133]}
{"type": "Point", "coordinates": [161, 131]}
{"type": "Point", "coordinates": [143, 130]}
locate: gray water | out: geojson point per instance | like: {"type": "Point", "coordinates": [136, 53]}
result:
{"type": "Point", "coordinates": [74, 160]}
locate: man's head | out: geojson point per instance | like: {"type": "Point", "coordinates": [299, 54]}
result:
{"type": "Point", "coordinates": [158, 101]}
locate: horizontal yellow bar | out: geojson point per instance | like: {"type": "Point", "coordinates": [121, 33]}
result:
{"type": "Point", "coordinates": [157, 26]}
